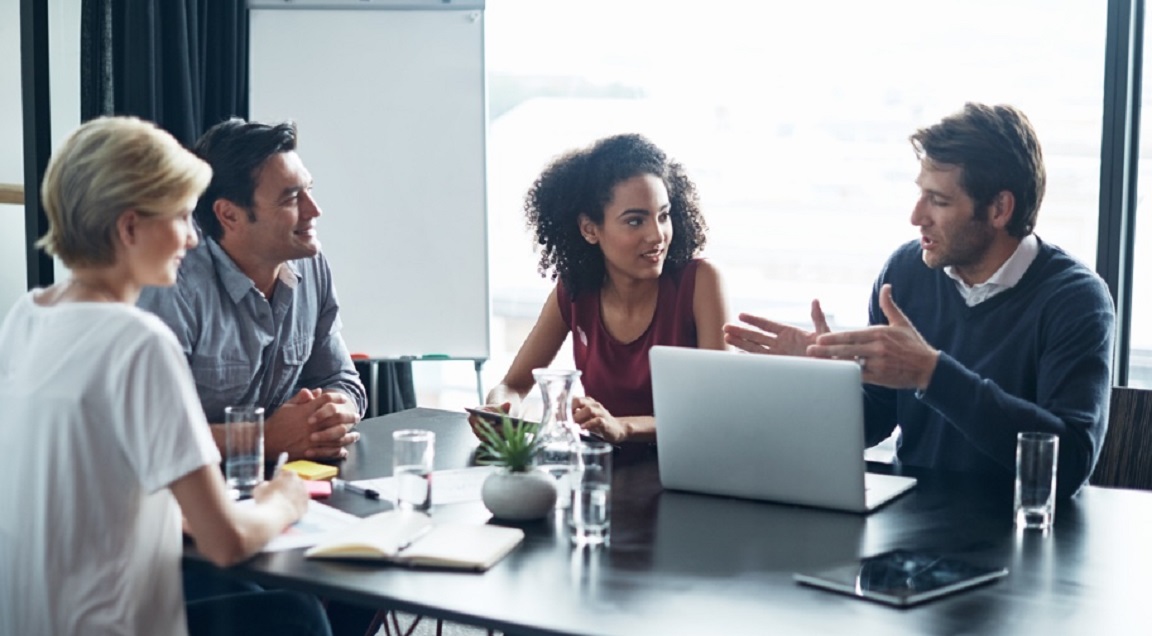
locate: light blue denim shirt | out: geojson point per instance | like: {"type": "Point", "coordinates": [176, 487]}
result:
{"type": "Point", "coordinates": [247, 349]}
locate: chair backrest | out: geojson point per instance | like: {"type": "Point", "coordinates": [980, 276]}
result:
{"type": "Point", "coordinates": [1126, 458]}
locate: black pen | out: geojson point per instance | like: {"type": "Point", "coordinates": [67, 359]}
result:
{"type": "Point", "coordinates": [340, 484]}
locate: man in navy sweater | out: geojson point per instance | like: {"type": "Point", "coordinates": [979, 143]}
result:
{"type": "Point", "coordinates": [980, 330]}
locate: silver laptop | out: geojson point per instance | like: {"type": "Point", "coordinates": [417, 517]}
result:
{"type": "Point", "coordinates": [775, 428]}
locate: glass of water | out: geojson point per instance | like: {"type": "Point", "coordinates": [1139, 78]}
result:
{"type": "Point", "coordinates": [590, 514]}
{"type": "Point", "coordinates": [244, 449]}
{"type": "Point", "coordinates": [412, 453]}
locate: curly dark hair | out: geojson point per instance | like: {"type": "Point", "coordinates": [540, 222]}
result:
{"type": "Point", "coordinates": [581, 182]}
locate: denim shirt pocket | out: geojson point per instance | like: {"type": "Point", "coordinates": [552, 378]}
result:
{"type": "Point", "coordinates": [297, 351]}
{"type": "Point", "coordinates": [220, 383]}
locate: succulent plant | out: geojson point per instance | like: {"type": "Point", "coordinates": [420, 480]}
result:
{"type": "Point", "coordinates": [513, 445]}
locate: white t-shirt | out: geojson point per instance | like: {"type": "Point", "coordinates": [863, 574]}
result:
{"type": "Point", "coordinates": [98, 416]}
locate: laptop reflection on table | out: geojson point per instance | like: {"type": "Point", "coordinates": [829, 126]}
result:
{"type": "Point", "coordinates": [714, 536]}
{"type": "Point", "coordinates": [772, 428]}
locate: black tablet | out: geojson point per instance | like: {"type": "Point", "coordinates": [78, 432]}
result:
{"type": "Point", "coordinates": [902, 577]}
{"type": "Point", "coordinates": [495, 418]}
{"type": "Point", "coordinates": [492, 417]}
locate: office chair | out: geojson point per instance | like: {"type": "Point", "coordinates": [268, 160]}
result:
{"type": "Point", "coordinates": [390, 622]}
{"type": "Point", "coordinates": [1126, 457]}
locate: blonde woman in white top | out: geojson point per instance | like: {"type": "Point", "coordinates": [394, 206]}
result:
{"type": "Point", "coordinates": [104, 436]}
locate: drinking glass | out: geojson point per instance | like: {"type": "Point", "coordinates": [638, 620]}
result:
{"type": "Point", "coordinates": [412, 453]}
{"type": "Point", "coordinates": [590, 516]}
{"type": "Point", "coordinates": [243, 449]}
{"type": "Point", "coordinates": [1035, 500]}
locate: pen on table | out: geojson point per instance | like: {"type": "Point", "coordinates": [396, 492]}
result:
{"type": "Point", "coordinates": [280, 461]}
{"type": "Point", "coordinates": [340, 484]}
{"type": "Point", "coordinates": [419, 535]}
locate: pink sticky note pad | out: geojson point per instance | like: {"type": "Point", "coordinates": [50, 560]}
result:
{"type": "Point", "coordinates": [319, 489]}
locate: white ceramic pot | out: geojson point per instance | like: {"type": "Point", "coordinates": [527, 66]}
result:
{"type": "Point", "coordinates": [519, 496]}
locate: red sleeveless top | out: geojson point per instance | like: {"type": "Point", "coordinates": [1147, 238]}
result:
{"type": "Point", "coordinates": [615, 373]}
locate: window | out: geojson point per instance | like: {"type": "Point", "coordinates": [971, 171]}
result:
{"type": "Point", "coordinates": [1140, 346]}
{"type": "Point", "coordinates": [793, 120]}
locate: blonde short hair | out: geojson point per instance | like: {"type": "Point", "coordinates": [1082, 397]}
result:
{"type": "Point", "coordinates": [106, 167]}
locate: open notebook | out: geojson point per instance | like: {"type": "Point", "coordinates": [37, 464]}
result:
{"type": "Point", "coordinates": [412, 538]}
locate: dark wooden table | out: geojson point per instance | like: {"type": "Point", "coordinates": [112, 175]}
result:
{"type": "Point", "coordinates": [681, 563]}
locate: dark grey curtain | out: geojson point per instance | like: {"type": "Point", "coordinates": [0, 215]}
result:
{"type": "Point", "coordinates": [389, 385]}
{"type": "Point", "coordinates": [180, 63]}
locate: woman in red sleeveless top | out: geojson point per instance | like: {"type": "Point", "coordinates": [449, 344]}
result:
{"type": "Point", "coordinates": [620, 228]}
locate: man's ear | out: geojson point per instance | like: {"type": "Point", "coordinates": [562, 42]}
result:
{"type": "Point", "coordinates": [228, 214]}
{"type": "Point", "coordinates": [588, 229]}
{"type": "Point", "coordinates": [1001, 209]}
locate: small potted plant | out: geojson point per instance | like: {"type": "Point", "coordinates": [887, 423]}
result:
{"type": "Point", "coordinates": [517, 491]}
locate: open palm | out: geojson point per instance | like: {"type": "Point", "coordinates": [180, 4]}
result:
{"type": "Point", "coordinates": [771, 337]}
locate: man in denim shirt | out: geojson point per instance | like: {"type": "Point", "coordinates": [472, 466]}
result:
{"type": "Point", "coordinates": [254, 305]}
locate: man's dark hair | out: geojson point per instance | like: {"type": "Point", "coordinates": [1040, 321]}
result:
{"type": "Point", "coordinates": [997, 150]}
{"type": "Point", "coordinates": [236, 150]}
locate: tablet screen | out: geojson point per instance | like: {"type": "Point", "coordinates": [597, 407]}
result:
{"type": "Point", "coordinates": [498, 418]}
{"type": "Point", "coordinates": [902, 577]}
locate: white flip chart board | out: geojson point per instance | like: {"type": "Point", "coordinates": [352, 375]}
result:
{"type": "Point", "coordinates": [391, 106]}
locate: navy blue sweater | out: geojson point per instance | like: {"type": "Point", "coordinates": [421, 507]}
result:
{"type": "Point", "coordinates": [1037, 357]}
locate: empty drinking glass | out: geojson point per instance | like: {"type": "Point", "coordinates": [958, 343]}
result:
{"type": "Point", "coordinates": [1035, 500]}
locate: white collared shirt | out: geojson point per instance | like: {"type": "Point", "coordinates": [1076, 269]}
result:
{"type": "Point", "coordinates": [1004, 279]}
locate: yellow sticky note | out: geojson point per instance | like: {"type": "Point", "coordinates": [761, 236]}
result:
{"type": "Point", "coordinates": [311, 470]}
